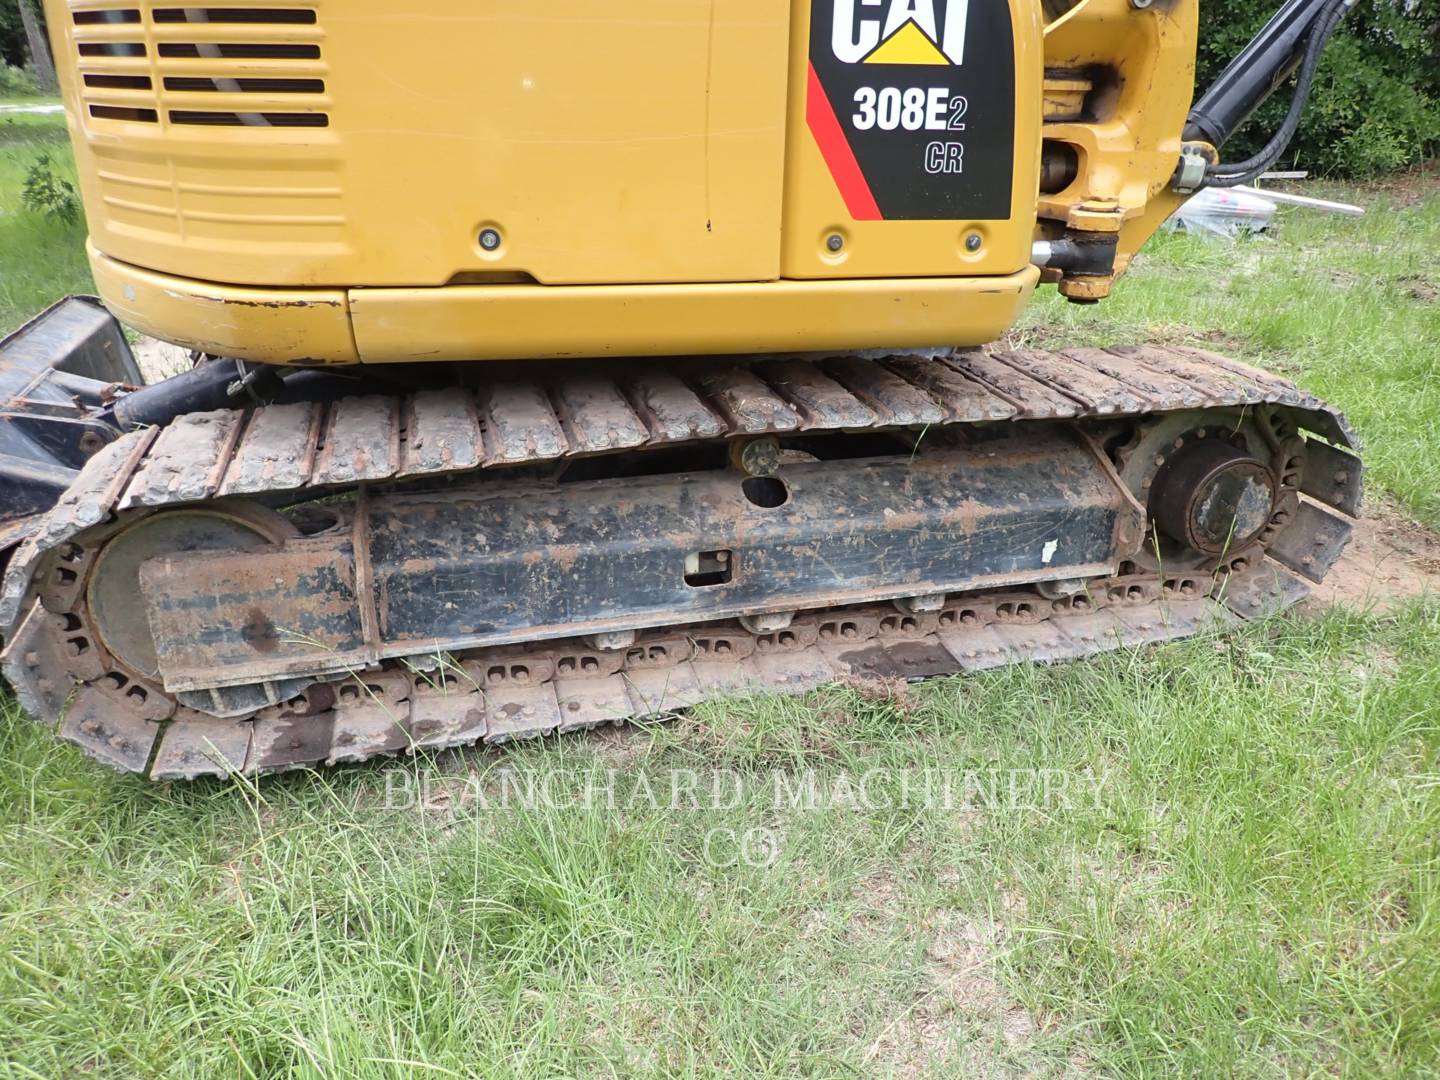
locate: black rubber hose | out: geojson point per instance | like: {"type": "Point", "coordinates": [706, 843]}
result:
{"type": "Point", "coordinates": [233, 384]}
{"type": "Point", "coordinates": [203, 387]}
{"type": "Point", "coordinates": [1233, 174]}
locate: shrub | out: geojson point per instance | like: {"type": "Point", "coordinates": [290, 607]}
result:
{"type": "Point", "coordinates": [49, 194]}
{"type": "Point", "coordinates": [16, 82]}
{"type": "Point", "coordinates": [1375, 103]}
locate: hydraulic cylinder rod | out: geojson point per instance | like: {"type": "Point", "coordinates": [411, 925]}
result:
{"type": "Point", "coordinates": [1255, 73]}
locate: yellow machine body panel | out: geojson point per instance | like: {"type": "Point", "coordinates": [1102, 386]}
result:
{"type": "Point", "coordinates": [605, 142]}
{"type": "Point", "coordinates": [324, 181]}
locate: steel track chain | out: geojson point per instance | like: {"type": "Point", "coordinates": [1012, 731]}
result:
{"type": "Point", "coordinates": [497, 694]}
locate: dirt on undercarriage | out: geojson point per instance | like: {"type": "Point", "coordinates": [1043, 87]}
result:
{"type": "Point", "coordinates": [1391, 557]}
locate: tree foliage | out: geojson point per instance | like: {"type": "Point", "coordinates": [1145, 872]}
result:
{"type": "Point", "coordinates": [12, 35]}
{"type": "Point", "coordinates": [1375, 104]}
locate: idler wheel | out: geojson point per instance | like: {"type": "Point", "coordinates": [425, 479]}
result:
{"type": "Point", "coordinates": [1212, 497]}
{"type": "Point", "coordinates": [114, 594]}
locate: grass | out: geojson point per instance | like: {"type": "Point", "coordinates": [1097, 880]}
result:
{"type": "Point", "coordinates": [1211, 858]}
{"type": "Point", "coordinates": [41, 259]}
{"type": "Point", "coordinates": [1240, 880]}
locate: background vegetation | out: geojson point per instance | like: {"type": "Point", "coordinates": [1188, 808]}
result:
{"type": "Point", "coordinates": [1252, 892]}
{"type": "Point", "coordinates": [1375, 105]}
{"type": "Point", "coordinates": [12, 35]}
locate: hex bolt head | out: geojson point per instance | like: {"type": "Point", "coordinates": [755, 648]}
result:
{"type": "Point", "coordinates": [611, 640]}
{"type": "Point", "coordinates": [489, 239]}
{"type": "Point", "coordinates": [834, 241]}
{"type": "Point", "coordinates": [756, 457]}
{"type": "Point", "coordinates": [769, 623]}
{"type": "Point", "coordinates": [972, 242]}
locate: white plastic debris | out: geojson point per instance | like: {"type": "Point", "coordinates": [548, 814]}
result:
{"type": "Point", "coordinates": [1285, 198]}
{"type": "Point", "coordinates": [1223, 212]}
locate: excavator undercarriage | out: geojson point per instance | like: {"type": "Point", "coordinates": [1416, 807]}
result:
{"type": "Point", "coordinates": [318, 582]}
{"type": "Point", "coordinates": [536, 383]}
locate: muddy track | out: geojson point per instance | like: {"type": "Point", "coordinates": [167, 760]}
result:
{"type": "Point", "coordinates": [383, 704]}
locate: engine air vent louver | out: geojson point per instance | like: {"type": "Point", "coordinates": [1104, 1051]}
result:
{"type": "Point", "coordinates": [118, 82]}
{"type": "Point", "coordinates": [245, 86]}
{"type": "Point", "coordinates": [111, 48]}
{"type": "Point", "coordinates": [122, 112]}
{"type": "Point", "coordinates": [241, 51]}
{"type": "Point", "coordinates": [193, 51]}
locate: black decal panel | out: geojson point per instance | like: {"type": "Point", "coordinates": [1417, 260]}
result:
{"type": "Point", "coordinates": [923, 98]}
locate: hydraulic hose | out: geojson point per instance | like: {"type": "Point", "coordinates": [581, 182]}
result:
{"type": "Point", "coordinates": [1233, 174]}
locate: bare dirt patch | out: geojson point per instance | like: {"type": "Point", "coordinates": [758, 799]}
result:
{"type": "Point", "coordinates": [960, 1018]}
{"type": "Point", "coordinates": [1409, 187]}
{"type": "Point", "coordinates": [1420, 288]}
{"type": "Point", "coordinates": [1390, 558]}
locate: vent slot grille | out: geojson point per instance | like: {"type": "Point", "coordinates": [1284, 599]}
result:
{"type": "Point", "coordinates": [118, 82]}
{"type": "Point", "coordinates": [248, 119]}
{"type": "Point", "coordinates": [244, 86]}
{"type": "Point", "coordinates": [112, 48]}
{"type": "Point", "coordinates": [155, 79]}
{"type": "Point", "coordinates": [123, 112]}
{"type": "Point", "coordinates": [96, 18]}
{"type": "Point", "coordinates": [241, 51]}
{"type": "Point", "coordinates": [271, 16]}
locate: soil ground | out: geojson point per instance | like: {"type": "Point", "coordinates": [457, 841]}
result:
{"type": "Point", "coordinates": [1391, 557]}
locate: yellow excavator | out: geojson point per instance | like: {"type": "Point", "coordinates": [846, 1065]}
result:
{"type": "Point", "coordinates": [560, 363]}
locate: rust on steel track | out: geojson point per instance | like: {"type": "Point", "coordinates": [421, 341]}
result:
{"type": "Point", "coordinates": [299, 451]}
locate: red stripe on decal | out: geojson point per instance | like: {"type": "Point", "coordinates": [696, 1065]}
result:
{"type": "Point", "coordinates": [835, 148]}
